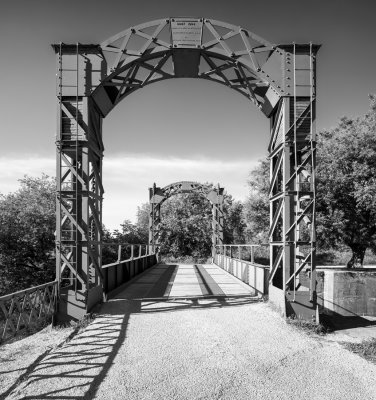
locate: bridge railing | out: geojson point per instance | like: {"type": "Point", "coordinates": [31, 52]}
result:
{"type": "Point", "coordinates": [239, 260]}
{"type": "Point", "coordinates": [27, 309]}
{"type": "Point", "coordinates": [132, 259]}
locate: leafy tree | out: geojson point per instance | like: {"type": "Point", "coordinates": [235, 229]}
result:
{"type": "Point", "coordinates": [129, 234]}
{"type": "Point", "coordinates": [142, 222]}
{"type": "Point", "coordinates": [234, 226]}
{"type": "Point", "coordinates": [256, 207]}
{"type": "Point", "coordinates": [186, 225]}
{"type": "Point", "coordinates": [346, 185]}
{"type": "Point", "coordinates": [27, 241]}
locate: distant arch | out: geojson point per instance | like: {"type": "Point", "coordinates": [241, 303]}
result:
{"type": "Point", "coordinates": [157, 196]}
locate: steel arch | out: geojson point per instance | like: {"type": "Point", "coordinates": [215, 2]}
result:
{"type": "Point", "coordinates": [157, 196]}
{"type": "Point", "coordinates": [279, 79]}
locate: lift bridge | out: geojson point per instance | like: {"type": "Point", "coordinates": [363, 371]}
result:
{"type": "Point", "coordinates": [279, 79]}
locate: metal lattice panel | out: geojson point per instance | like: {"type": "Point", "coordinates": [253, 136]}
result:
{"type": "Point", "coordinates": [221, 52]}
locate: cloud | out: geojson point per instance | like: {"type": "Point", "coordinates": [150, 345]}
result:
{"type": "Point", "coordinates": [126, 178]}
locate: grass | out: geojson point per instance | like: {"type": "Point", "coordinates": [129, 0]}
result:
{"type": "Point", "coordinates": [77, 326]}
{"type": "Point", "coordinates": [365, 349]}
{"type": "Point", "coordinates": [342, 257]}
{"type": "Point", "coordinates": [26, 330]}
{"type": "Point", "coordinates": [308, 327]}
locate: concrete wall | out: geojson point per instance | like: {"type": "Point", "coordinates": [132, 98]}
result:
{"type": "Point", "coordinates": [347, 292]}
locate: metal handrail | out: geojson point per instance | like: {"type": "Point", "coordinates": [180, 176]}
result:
{"type": "Point", "coordinates": [223, 250]}
{"type": "Point", "coordinates": [148, 251]}
{"type": "Point", "coordinates": [26, 308]}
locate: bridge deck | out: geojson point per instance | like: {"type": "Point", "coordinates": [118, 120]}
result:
{"type": "Point", "coordinates": [186, 280]}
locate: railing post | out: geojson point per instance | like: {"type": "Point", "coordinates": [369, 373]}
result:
{"type": "Point", "coordinates": [239, 252]}
{"type": "Point", "coordinates": [119, 253]}
{"type": "Point", "coordinates": [132, 251]}
{"type": "Point", "coordinates": [252, 254]}
{"type": "Point", "coordinates": [140, 251]}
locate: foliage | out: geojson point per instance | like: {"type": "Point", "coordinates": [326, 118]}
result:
{"type": "Point", "coordinates": [186, 225]}
{"type": "Point", "coordinates": [27, 242]}
{"type": "Point", "coordinates": [234, 224]}
{"type": "Point", "coordinates": [346, 189]}
{"type": "Point", "coordinates": [256, 207]}
{"type": "Point", "coordinates": [366, 349]}
{"type": "Point", "coordinates": [309, 327]}
{"type": "Point", "coordinates": [346, 185]}
{"type": "Point", "coordinates": [129, 234]}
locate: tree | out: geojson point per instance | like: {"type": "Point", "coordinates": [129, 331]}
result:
{"type": "Point", "coordinates": [256, 207]}
{"type": "Point", "coordinates": [129, 234]}
{"type": "Point", "coordinates": [234, 226]}
{"type": "Point", "coordinates": [27, 241]}
{"type": "Point", "coordinates": [346, 185]}
{"type": "Point", "coordinates": [186, 225]}
{"type": "Point", "coordinates": [142, 222]}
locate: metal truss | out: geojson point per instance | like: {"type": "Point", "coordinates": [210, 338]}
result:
{"type": "Point", "coordinates": [157, 196]}
{"type": "Point", "coordinates": [79, 186]}
{"type": "Point", "coordinates": [292, 193]}
{"type": "Point", "coordinates": [214, 50]}
{"type": "Point", "coordinates": [279, 79]}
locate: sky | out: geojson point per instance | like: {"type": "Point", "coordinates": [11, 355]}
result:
{"type": "Point", "coordinates": [179, 129]}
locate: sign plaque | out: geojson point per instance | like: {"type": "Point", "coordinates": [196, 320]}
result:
{"type": "Point", "coordinates": [186, 32]}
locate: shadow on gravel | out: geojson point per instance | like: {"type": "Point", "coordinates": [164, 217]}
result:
{"type": "Point", "coordinates": [338, 322]}
{"type": "Point", "coordinates": [76, 370]}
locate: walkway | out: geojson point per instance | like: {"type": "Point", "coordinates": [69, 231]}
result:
{"type": "Point", "coordinates": [177, 281]}
{"type": "Point", "coordinates": [222, 347]}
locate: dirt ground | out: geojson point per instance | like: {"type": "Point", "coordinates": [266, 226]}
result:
{"type": "Point", "coordinates": [196, 349]}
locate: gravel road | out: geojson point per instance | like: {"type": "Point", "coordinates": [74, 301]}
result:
{"type": "Point", "coordinates": [197, 349]}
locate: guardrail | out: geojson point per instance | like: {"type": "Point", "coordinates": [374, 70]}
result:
{"type": "Point", "coordinates": [239, 261]}
{"type": "Point", "coordinates": [27, 309]}
{"type": "Point", "coordinates": [132, 259]}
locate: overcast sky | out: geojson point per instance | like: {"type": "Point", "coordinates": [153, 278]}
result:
{"type": "Point", "coordinates": [180, 129]}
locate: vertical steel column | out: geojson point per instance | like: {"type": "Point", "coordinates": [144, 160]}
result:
{"type": "Point", "coordinates": [292, 186]}
{"type": "Point", "coordinates": [154, 219]}
{"type": "Point", "coordinates": [217, 219]}
{"type": "Point", "coordinates": [79, 187]}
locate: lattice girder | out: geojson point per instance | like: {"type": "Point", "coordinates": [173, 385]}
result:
{"type": "Point", "coordinates": [292, 196]}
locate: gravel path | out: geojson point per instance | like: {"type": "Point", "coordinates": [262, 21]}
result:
{"type": "Point", "coordinates": [232, 348]}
